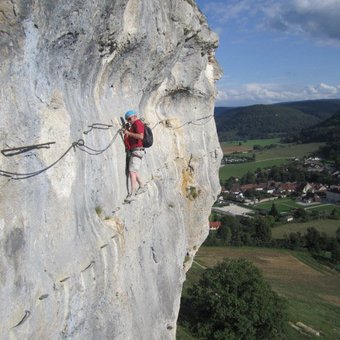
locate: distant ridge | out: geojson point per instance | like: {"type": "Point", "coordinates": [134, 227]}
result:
{"type": "Point", "coordinates": [327, 131]}
{"type": "Point", "coordinates": [266, 121]}
{"type": "Point", "coordinates": [221, 110]}
{"type": "Point", "coordinates": [322, 108]}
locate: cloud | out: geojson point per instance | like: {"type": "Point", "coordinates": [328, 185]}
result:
{"type": "Point", "coordinates": [237, 12]}
{"type": "Point", "coordinates": [317, 19]}
{"type": "Point", "coordinates": [222, 12]}
{"type": "Point", "coordinates": [314, 18]}
{"type": "Point", "coordinates": [255, 93]}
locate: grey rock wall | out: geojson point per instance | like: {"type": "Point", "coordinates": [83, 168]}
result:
{"type": "Point", "coordinates": [77, 263]}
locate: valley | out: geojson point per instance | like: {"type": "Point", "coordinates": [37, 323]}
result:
{"type": "Point", "coordinates": [280, 209]}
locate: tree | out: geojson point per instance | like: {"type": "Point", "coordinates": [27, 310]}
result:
{"type": "Point", "coordinates": [232, 301]}
{"type": "Point", "coordinates": [334, 214]}
{"type": "Point", "coordinates": [274, 212]}
{"type": "Point", "coordinates": [295, 241]}
{"type": "Point", "coordinates": [313, 240]}
{"type": "Point", "coordinates": [213, 217]}
{"type": "Point", "coordinates": [248, 178]}
{"type": "Point", "coordinates": [262, 231]}
{"type": "Point", "coordinates": [229, 183]}
{"type": "Point", "coordinates": [275, 173]}
{"type": "Point", "coordinates": [236, 237]}
{"type": "Point", "coordinates": [300, 214]}
{"type": "Point", "coordinates": [211, 239]}
{"type": "Point", "coordinates": [261, 176]}
{"type": "Point", "coordinates": [224, 233]}
{"type": "Point", "coordinates": [335, 251]}
{"type": "Point", "coordinates": [338, 234]}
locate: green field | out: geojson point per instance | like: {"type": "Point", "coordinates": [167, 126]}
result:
{"type": "Point", "coordinates": [283, 205]}
{"type": "Point", "coordinates": [311, 290]}
{"type": "Point", "coordinates": [288, 150]}
{"type": "Point", "coordinates": [326, 208]}
{"type": "Point", "coordinates": [323, 225]}
{"type": "Point", "coordinates": [238, 170]}
{"type": "Point", "coordinates": [267, 158]}
{"type": "Point", "coordinates": [252, 142]}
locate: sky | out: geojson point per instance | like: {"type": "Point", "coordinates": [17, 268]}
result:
{"type": "Point", "coordinates": [275, 50]}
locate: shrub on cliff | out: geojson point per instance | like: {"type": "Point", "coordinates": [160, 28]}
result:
{"type": "Point", "coordinates": [232, 301]}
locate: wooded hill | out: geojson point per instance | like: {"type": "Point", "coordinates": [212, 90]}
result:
{"type": "Point", "coordinates": [326, 131]}
{"type": "Point", "coordinates": [266, 121]}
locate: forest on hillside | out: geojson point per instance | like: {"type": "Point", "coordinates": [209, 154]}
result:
{"type": "Point", "coordinates": [267, 121]}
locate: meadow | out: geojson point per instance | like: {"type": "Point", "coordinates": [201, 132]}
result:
{"type": "Point", "coordinates": [288, 151]}
{"type": "Point", "coordinates": [311, 290]}
{"type": "Point", "coordinates": [252, 142]}
{"type": "Point", "coordinates": [286, 205]}
{"type": "Point", "coordinates": [267, 158]}
{"type": "Point", "coordinates": [238, 170]}
{"type": "Point", "coordinates": [283, 205]}
{"type": "Point", "coordinates": [327, 226]}
{"type": "Point", "coordinates": [324, 208]}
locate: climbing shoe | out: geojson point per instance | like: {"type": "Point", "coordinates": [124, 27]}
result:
{"type": "Point", "coordinates": [140, 190]}
{"type": "Point", "coordinates": [129, 198]}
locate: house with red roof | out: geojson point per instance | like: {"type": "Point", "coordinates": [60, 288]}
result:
{"type": "Point", "coordinates": [214, 225]}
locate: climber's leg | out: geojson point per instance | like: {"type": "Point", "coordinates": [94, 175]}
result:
{"type": "Point", "coordinates": [139, 180]}
{"type": "Point", "coordinates": [134, 181]}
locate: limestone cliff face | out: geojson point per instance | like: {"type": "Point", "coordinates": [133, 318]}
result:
{"type": "Point", "coordinates": [75, 261]}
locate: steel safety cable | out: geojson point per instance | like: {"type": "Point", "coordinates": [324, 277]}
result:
{"type": "Point", "coordinates": [18, 176]}
{"type": "Point", "coordinates": [94, 152]}
{"type": "Point", "coordinates": [80, 144]}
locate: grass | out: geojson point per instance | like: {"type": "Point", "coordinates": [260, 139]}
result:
{"type": "Point", "coordinates": [251, 142]}
{"type": "Point", "coordinates": [311, 290]}
{"type": "Point", "coordinates": [267, 158]}
{"type": "Point", "coordinates": [323, 225]}
{"type": "Point", "coordinates": [324, 208]}
{"type": "Point", "coordinates": [238, 170]}
{"type": "Point", "coordinates": [289, 150]}
{"type": "Point", "coordinates": [283, 205]}
{"type": "Point", "coordinates": [308, 260]}
{"type": "Point", "coordinates": [246, 146]}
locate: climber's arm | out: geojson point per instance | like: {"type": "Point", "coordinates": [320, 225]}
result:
{"type": "Point", "coordinates": [134, 135]}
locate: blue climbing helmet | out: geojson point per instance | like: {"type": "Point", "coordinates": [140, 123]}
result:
{"type": "Point", "coordinates": [130, 113]}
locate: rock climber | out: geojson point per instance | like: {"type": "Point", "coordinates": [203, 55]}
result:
{"type": "Point", "coordinates": [133, 140]}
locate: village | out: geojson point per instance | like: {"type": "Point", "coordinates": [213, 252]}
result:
{"type": "Point", "coordinates": [305, 193]}
{"type": "Point", "coordinates": [244, 199]}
